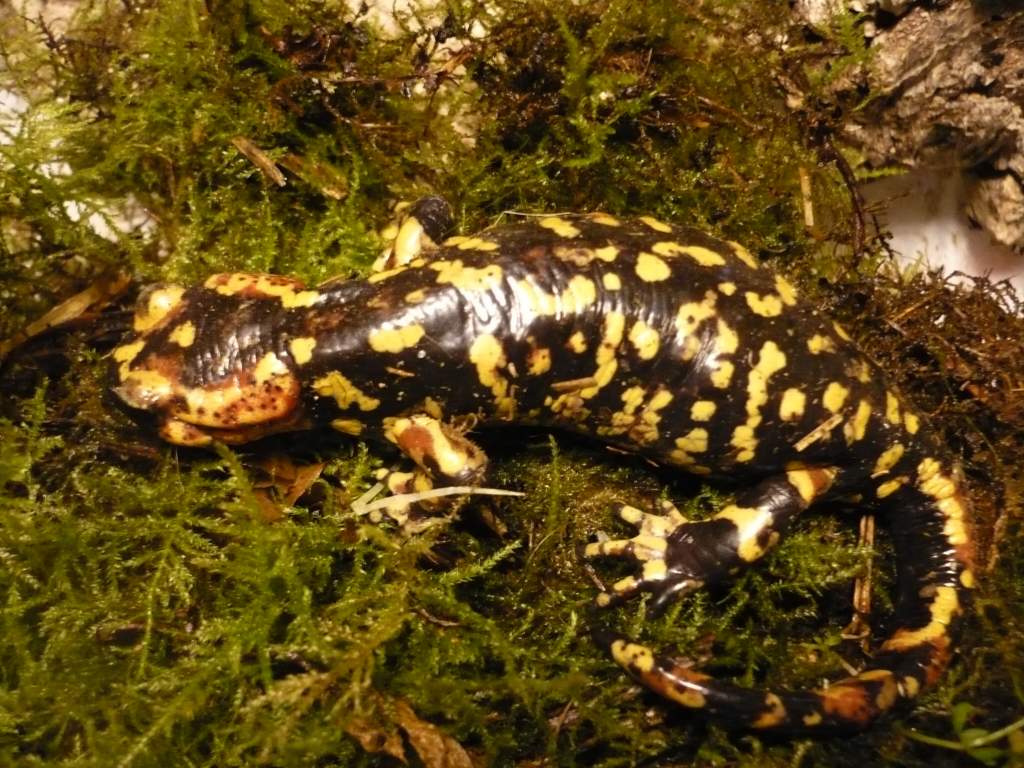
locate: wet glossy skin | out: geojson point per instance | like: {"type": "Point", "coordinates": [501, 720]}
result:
{"type": "Point", "coordinates": [658, 339]}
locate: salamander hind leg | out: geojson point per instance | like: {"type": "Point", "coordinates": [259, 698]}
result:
{"type": "Point", "coordinates": [677, 556]}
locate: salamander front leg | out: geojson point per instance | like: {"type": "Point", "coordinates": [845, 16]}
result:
{"type": "Point", "coordinates": [444, 458]}
{"type": "Point", "coordinates": [677, 556]}
{"type": "Point", "coordinates": [418, 227]}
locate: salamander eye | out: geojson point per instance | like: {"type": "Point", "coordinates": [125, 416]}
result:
{"type": "Point", "coordinates": [155, 303]}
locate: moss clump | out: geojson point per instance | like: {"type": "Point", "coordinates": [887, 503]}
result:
{"type": "Point", "coordinates": [162, 607]}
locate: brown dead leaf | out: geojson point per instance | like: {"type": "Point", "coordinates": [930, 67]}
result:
{"type": "Point", "coordinates": [94, 297]}
{"type": "Point", "coordinates": [435, 748]}
{"type": "Point", "coordinates": [374, 739]}
{"type": "Point", "coordinates": [271, 511]}
{"type": "Point", "coordinates": [290, 480]}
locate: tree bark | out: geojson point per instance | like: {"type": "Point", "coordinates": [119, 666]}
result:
{"type": "Point", "coordinates": [946, 90]}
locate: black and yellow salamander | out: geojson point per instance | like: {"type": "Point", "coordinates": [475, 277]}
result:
{"type": "Point", "coordinates": [653, 338]}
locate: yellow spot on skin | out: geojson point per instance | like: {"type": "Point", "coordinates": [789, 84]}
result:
{"type": "Point", "coordinates": [632, 398]}
{"type": "Point", "coordinates": [487, 354]}
{"type": "Point", "coordinates": [661, 398]}
{"type": "Point", "coordinates": [768, 305]}
{"type": "Point", "coordinates": [785, 290]}
{"type": "Point", "coordinates": [703, 256]}
{"type": "Point", "coordinates": [603, 218]}
{"type": "Point", "coordinates": [703, 410]}
{"type": "Point", "coordinates": [691, 315]}
{"type": "Point", "coordinates": [811, 483]}
{"type": "Point", "coordinates": [559, 226]}
{"type": "Point", "coordinates": [892, 408]}
{"type": "Point", "coordinates": [632, 656]}
{"type": "Point", "coordinates": [727, 341]}
{"type": "Point", "coordinates": [344, 392]}
{"type": "Point", "coordinates": [818, 344]}
{"type": "Point", "coordinates": [749, 522]}
{"type": "Point", "coordinates": [576, 255]}
{"type": "Point", "coordinates": [911, 422]}
{"type": "Point", "coordinates": [770, 361]}
{"type": "Point", "coordinates": [642, 428]}
{"type": "Point", "coordinates": [694, 441]}
{"type": "Point", "coordinates": [611, 281]}
{"type": "Point", "coordinates": [179, 432]}
{"type": "Point", "coordinates": [268, 367]}
{"type": "Point", "coordinates": [394, 340]}
{"type": "Point", "coordinates": [608, 253]}
{"type": "Point", "coordinates": [127, 352]}
{"type": "Point", "coordinates": [645, 339]}
{"type": "Point", "coordinates": [927, 469]}
{"type": "Point", "coordinates": [577, 342]}
{"type": "Point", "coordinates": [944, 489]}
{"type": "Point", "coordinates": [861, 371]}
{"type": "Point", "coordinates": [580, 293]}
{"type": "Point", "coordinates": [415, 297]}
{"type": "Point", "coordinates": [774, 714]}
{"type": "Point", "coordinates": [655, 570]}
{"type": "Point", "coordinates": [727, 288]}
{"type": "Point", "coordinates": [159, 304]}
{"type": "Point", "coordinates": [841, 332]}
{"type": "Point", "coordinates": [856, 427]}
{"type": "Point", "coordinates": [656, 225]}
{"type": "Point", "coordinates": [538, 361]}
{"type": "Point", "coordinates": [477, 244]}
{"type": "Point", "coordinates": [184, 335]}
{"type": "Point", "coordinates": [888, 459]}
{"type": "Point", "coordinates": [911, 686]}
{"type": "Point", "coordinates": [432, 408]}
{"type": "Point", "coordinates": [744, 255]}
{"type": "Point", "coordinates": [288, 291]}
{"type": "Point", "coordinates": [744, 441]}
{"type": "Point", "coordinates": [530, 296]}
{"type": "Point", "coordinates": [302, 349]}
{"type": "Point", "coordinates": [890, 487]}
{"type": "Point", "coordinates": [614, 329]}
{"type": "Point", "coordinates": [967, 579]}
{"type": "Point", "coordinates": [834, 397]}
{"type": "Point", "coordinates": [944, 607]}
{"type": "Point", "coordinates": [887, 692]}
{"type": "Point", "coordinates": [651, 269]}
{"type": "Point", "coordinates": [722, 376]}
{"type": "Point", "coordinates": [467, 278]}
{"type": "Point", "coordinates": [792, 406]}
{"type": "Point", "coordinates": [379, 277]}
{"type": "Point", "coordinates": [812, 719]}
{"type": "Point", "coordinates": [352, 427]}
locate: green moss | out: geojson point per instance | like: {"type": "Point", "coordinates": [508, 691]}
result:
{"type": "Point", "coordinates": [160, 608]}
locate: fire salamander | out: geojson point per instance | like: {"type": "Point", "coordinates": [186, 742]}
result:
{"type": "Point", "coordinates": [654, 338]}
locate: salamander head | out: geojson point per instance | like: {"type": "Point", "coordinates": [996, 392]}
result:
{"type": "Point", "coordinates": [212, 361]}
